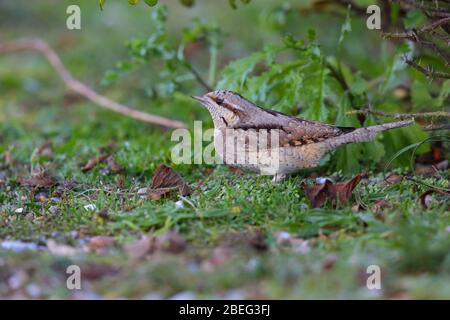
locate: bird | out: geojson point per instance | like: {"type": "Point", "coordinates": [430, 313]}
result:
{"type": "Point", "coordinates": [273, 143]}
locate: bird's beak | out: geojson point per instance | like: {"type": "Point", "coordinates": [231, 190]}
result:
{"type": "Point", "coordinates": [201, 99]}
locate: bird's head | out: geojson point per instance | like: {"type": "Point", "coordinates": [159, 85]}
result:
{"type": "Point", "coordinates": [225, 107]}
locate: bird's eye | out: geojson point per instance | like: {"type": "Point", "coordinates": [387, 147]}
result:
{"type": "Point", "coordinates": [219, 101]}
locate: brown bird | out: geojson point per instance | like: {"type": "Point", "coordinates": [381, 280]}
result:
{"type": "Point", "coordinates": [272, 142]}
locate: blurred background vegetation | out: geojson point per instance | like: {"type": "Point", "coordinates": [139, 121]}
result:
{"type": "Point", "coordinates": [315, 59]}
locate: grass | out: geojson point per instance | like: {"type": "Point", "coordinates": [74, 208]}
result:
{"type": "Point", "coordinates": [409, 243]}
{"type": "Point", "coordinates": [234, 225]}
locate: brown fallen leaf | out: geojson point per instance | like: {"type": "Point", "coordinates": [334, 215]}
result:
{"type": "Point", "coordinates": [380, 205]}
{"type": "Point", "coordinates": [394, 178]}
{"type": "Point", "coordinates": [113, 165]}
{"type": "Point", "coordinates": [40, 179]}
{"type": "Point", "coordinates": [426, 198]}
{"type": "Point", "coordinates": [431, 169]}
{"type": "Point", "coordinates": [169, 242]}
{"type": "Point", "coordinates": [434, 156]}
{"type": "Point", "coordinates": [235, 170]}
{"type": "Point", "coordinates": [93, 162]}
{"type": "Point", "coordinates": [140, 247]}
{"type": "Point", "coordinates": [99, 242]}
{"type": "Point", "coordinates": [45, 149]}
{"type": "Point", "coordinates": [335, 192]}
{"type": "Point", "coordinates": [157, 194]}
{"type": "Point", "coordinates": [166, 183]}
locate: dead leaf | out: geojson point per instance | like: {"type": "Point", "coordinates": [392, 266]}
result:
{"type": "Point", "coordinates": [380, 205]}
{"type": "Point", "coordinates": [93, 162]}
{"type": "Point", "coordinates": [169, 242]}
{"type": "Point", "coordinates": [426, 198]}
{"type": "Point", "coordinates": [335, 192]}
{"type": "Point", "coordinates": [434, 156]}
{"type": "Point", "coordinates": [45, 149]}
{"type": "Point", "coordinates": [99, 242]}
{"type": "Point", "coordinates": [257, 240]}
{"type": "Point", "coordinates": [235, 170]}
{"type": "Point", "coordinates": [165, 182]}
{"type": "Point", "coordinates": [40, 179]}
{"type": "Point", "coordinates": [317, 194]}
{"type": "Point", "coordinates": [431, 169]}
{"type": "Point", "coordinates": [394, 178]}
{"type": "Point", "coordinates": [139, 248]}
{"type": "Point", "coordinates": [157, 194]}
{"type": "Point", "coordinates": [113, 165]}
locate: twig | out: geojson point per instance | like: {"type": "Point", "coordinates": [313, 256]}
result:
{"type": "Point", "coordinates": [436, 127]}
{"type": "Point", "coordinates": [197, 77]}
{"type": "Point", "coordinates": [428, 72]}
{"type": "Point", "coordinates": [412, 34]}
{"type": "Point", "coordinates": [79, 87]}
{"type": "Point", "coordinates": [418, 115]}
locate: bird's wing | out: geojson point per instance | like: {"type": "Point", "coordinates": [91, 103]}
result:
{"type": "Point", "coordinates": [292, 130]}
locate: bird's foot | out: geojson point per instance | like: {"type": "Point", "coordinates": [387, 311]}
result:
{"type": "Point", "coordinates": [278, 177]}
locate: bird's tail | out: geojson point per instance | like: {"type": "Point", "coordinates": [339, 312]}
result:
{"type": "Point", "coordinates": [363, 134]}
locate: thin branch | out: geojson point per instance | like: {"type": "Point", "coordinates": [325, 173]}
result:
{"type": "Point", "coordinates": [401, 116]}
{"type": "Point", "coordinates": [437, 127]}
{"type": "Point", "coordinates": [82, 89]}
{"type": "Point", "coordinates": [428, 72]}
{"type": "Point", "coordinates": [412, 34]}
{"type": "Point", "coordinates": [198, 77]}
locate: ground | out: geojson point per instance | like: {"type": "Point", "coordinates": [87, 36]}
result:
{"type": "Point", "coordinates": [239, 235]}
{"type": "Point", "coordinates": [236, 236]}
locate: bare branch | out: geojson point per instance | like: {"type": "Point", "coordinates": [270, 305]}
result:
{"type": "Point", "coordinates": [82, 89]}
{"type": "Point", "coordinates": [412, 34]}
{"type": "Point", "coordinates": [427, 71]}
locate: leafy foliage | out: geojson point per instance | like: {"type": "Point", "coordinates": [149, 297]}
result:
{"type": "Point", "coordinates": [293, 76]}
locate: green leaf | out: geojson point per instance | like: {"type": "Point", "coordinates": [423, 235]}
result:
{"type": "Point", "coordinates": [397, 63]}
{"type": "Point", "coordinates": [235, 74]}
{"type": "Point", "coordinates": [109, 77]}
{"type": "Point", "coordinates": [151, 3]}
{"type": "Point", "coordinates": [101, 4]}
{"type": "Point", "coordinates": [420, 96]}
{"type": "Point", "coordinates": [414, 19]}
{"type": "Point", "coordinates": [445, 93]}
{"type": "Point", "coordinates": [133, 2]}
{"type": "Point", "coordinates": [345, 29]}
{"type": "Point", "coordinates": [314, 91]}
{"type": "Point", "coordinates": [187, 3]}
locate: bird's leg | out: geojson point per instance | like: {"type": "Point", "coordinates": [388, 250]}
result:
{"type": "Point", "coordinates": [278, 177]}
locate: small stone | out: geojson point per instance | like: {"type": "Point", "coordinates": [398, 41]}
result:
{"type": "Point", "coordinates": [322, 180]}
{"type": "Point", "coordinates": [19, 210]}
{"type": "Point", "coordinates": [179, 204]}
{"type": "Point", "coordinates": [142, 192]}
{"type": "Point", "coordinates": [33, 290]}
{"type": "Point", "coordinates": [90, 207]}
{"type": "Point", "coordinates": [53, 209]}
{"type": "Point", "coordinates": [283, 238]}
{"type": "Point", "coordinates": [56, 234]}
